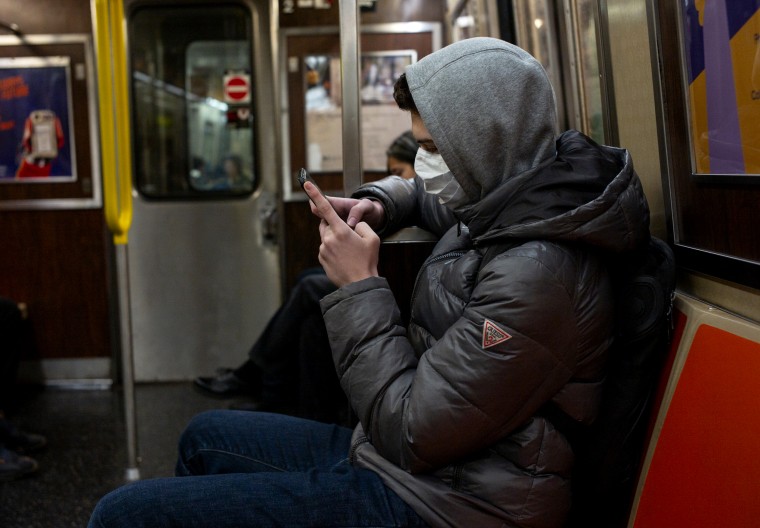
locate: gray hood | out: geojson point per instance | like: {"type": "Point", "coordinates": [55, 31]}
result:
{"type": "Point", "coordinates": [523, 182]}
{"type": "Point", "coordinates": [511, 99]}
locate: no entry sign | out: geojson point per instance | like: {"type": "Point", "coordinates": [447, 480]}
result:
{"type": "Point", "coordinates": [237, 88]}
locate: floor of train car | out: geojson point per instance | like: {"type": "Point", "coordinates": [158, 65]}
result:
{"type": "Point", "coordinates": [86, 455]}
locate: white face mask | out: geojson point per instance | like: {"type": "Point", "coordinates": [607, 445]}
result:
{"type": "Point", "coordinates": [438, 179]}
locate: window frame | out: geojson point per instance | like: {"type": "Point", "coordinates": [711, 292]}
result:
{"type": "Point", "coordinates": [710, 229]}
{"type": "Point", "coordinates": [192, 193]}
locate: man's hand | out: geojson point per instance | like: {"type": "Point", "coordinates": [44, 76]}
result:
{"type": "Point", "coordinates": [354, 211]}
{"type": "Point", "coordinates": [347, 255]}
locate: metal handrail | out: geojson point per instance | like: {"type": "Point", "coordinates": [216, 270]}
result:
{"type": "Point", "coordinates": [115, 143]}
{"type": "Point", "coordinates": [350, 53]}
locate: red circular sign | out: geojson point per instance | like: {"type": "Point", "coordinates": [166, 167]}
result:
{"type": "Point", "coordinates": [236, 88]}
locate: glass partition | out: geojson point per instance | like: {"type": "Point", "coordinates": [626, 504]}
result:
{"type": "Point", "coordinates": [192, 83]}
{"type": "Point", "coordinates": [590, 115]}
{"type": "Point", "coordinates": [563, 36]}
{"type": "Point", "coordinates": [710, 133]}
{"type": "Point", "coordinates": [382, 121]}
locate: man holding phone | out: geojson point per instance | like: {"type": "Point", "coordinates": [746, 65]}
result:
{"type": "Point", "coordinates": [294, 341]}
{"type": "Point", "coordinates": [512, 313]}
{"type": "Point", "coordinates": [511, 319]}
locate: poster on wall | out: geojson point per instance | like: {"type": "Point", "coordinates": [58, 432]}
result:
{"type": "Point", "coordinates": [381, 119]}
{"type": "Point", "coordinates": [36, 140]}
{"type": "Point", "coordinates": [722, 51]}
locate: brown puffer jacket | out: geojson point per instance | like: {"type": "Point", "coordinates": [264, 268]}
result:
{"type": "Point", "coordinates": [452, 408]}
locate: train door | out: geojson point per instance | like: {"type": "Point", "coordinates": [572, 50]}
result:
{"type": "Point", "coordinates": [203, 256]}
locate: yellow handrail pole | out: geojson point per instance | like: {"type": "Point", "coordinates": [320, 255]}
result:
{"type": "Point", "coordinates": [105, 97]}
{"type": "Point", "coordinates": [123, 132]}
{"type": "Point", "coordinates": [117, 186]}
{"type": "Point", "coordinates": [114, 117]}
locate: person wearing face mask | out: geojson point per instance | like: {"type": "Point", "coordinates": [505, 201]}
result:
{"type": "Point", "coordinates": [438, 179]}
{"type": "Point", "coordinates": [511, 319]}
{"type": "Point", "coordinates": [462, 413]}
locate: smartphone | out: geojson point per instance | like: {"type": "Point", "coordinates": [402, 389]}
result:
{"type": "Point", "coordinates": [303, 177]}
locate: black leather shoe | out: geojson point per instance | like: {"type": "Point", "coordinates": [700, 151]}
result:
{"type": "Point", "coordinates": [23, 442]}
{"type": "Point", "coordinates": [14, 466]}
{"type": "Point", "coordinates": [19, 441]}
{"type": "Point", "coordinates": [225, 384]}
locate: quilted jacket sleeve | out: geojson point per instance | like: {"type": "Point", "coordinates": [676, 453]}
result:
{"type": "Point", "coordinates": [407, 204]}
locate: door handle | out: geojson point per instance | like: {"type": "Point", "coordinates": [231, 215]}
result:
{"type": "Point", "coordinates": [269, 217]}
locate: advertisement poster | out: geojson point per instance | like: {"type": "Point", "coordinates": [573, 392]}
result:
{"type": "Point", "coordinates": [381, 119]}
{"type": "Point", "coordinates": [36, 141]}
{"type": "Point", "coordinates": [722, 45]}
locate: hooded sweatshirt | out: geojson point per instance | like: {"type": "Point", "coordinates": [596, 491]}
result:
{"type": "Point", "coordinates": [512, 314]}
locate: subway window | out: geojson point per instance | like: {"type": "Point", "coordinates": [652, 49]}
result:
{"type": "Point", "coordinates": [193, 107]}
{"type": "Point", "coordinates": [711, 131]}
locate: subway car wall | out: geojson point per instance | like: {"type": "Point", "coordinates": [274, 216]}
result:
{"type": "Point", "coordinates": [60, 260]}
{"type": "Point", "coordinates": [60, 257]}
{"type": "Point", "coordinates": [56, 249]}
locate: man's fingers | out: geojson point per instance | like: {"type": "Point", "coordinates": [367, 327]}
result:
{"type": "Point", "coordinates": [364, 230]}
{"type": "Point", "coordinates": [324, 209]}
{"type": "Point", "coordinates": [369, 211]}
{"type": "Point", "coordinates": [355, 215]}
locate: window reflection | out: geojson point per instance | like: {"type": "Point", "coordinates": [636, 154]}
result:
{"type": "Point", "coordinates": [193, 120]}
{"type": "Point", "coordinates": [382, 121]}
{"type": "Point", "coordinates": [588, 65]}
{"type": "Point", "coordinates": [572, 64]}
{"type": "Point", "coordinates": [322, 88]}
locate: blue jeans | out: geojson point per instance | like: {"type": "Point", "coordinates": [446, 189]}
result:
{"type": "Point", "coordinates": [239, 468]}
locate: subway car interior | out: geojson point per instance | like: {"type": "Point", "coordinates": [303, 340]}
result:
{"type": "Point", "coordinates": [153, 225]}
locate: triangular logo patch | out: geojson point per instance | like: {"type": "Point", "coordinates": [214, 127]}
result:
{"type": "Point", "coordinates": [493, 335]}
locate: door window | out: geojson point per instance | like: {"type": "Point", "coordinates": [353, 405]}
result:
{"type": "Point", "coordinates": [193, 106]}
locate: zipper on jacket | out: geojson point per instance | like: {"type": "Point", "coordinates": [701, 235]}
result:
{"type": "Point", "coordinates": [362, 439]}
{"type": "Point", "coordinates": [432, 260]}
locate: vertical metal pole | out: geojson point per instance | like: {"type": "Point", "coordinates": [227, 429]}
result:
{"type": "Point", "coordinates": [350, 53]}
{"type": "Point", "coordinates": [108, 28]}
{"type": "Point", "coordinates": [127, 363]}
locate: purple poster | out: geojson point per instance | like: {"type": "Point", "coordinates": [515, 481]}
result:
{"type": "Point", "coordinates": [36, 143]}
{"type": "Point", "coordinates": [722, 45]}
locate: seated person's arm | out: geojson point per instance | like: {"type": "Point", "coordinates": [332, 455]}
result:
{"type": "Point", "coordinates": [407, 204]}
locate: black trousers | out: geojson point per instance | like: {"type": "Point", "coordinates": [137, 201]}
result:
{"type": "Point", "coordinates": [293, 353]}
{"type": "Point", "coordinates": [10, 350]}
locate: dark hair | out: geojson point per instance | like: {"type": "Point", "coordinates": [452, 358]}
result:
{"type": "Point", "coordinates": [403, 95]}
{"type": "Point", "coordinates": [403, 148]}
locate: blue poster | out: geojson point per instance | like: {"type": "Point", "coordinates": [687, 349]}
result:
{"type": "Point", "coordinates": [36, 143]}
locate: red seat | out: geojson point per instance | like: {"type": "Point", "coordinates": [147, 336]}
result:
{"type": "Point", "coordinates": [702, 467]}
